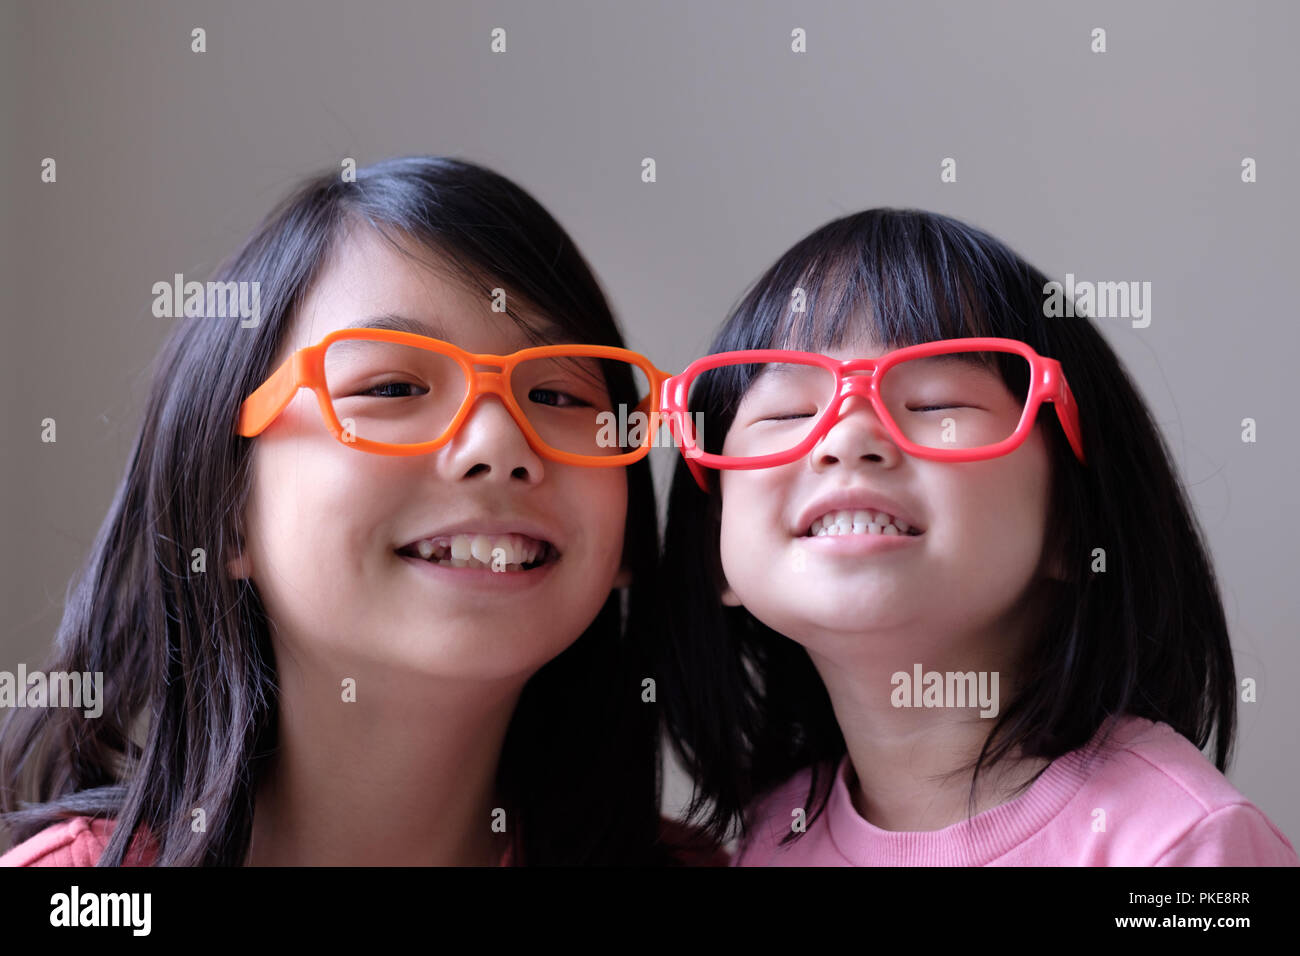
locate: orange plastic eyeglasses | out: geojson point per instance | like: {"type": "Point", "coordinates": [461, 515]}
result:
{"type": "Point", "coordinates": [437, 384]}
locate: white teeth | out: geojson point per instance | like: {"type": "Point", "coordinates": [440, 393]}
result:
{"type": "Point", "coordinates": [857, 522]}
{"type": "Point", "coordinates": [498, 551]}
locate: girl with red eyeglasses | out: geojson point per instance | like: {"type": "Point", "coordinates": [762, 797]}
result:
{"type": "Point", "coordinates": [937, 594]}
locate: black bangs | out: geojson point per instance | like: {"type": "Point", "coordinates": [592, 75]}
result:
{"type": "Point", "coordinates": [886, 277]}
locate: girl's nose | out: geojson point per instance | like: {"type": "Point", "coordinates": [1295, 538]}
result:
{"type": "Point", "coordinates": [490, 442]}
{"type": "Point", "coordinates": [856, 434]}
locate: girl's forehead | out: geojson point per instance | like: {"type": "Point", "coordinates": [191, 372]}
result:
{"type": "Point", "coordinates": [859, 345]}
{"type": "Point", "coordinates": [851, 326]}
{"type": "Point", "coordinates": [369, 283]}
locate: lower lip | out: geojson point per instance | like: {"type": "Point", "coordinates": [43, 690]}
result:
{"type": "Point", "coordinates": [859, 543]}
{"type": "Point", "coordinates": [482, 579]}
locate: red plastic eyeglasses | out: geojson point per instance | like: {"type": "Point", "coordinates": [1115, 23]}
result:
{"type": "Point", "coordinates": [954, 400]}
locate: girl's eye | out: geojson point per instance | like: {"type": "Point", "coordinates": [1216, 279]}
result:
{"type": "Point", "coordinates": [551, 396]}
{"type": "Point", "coordinates": [935, 408]}
{"type": "Point", "coordinates": [394, 390]}
{"type": "Point", "coordinates": [782, 418]}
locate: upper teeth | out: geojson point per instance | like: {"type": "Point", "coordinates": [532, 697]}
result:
{"type": "Point", "coordinates": [858, 522]}
{"type": "Point", "coordinates": [488, 549]}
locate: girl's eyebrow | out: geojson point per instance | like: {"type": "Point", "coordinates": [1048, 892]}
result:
{"type": "Point", "coordinates": [401, 323]}
{"type": "Point", "coordinates": [404, 323]}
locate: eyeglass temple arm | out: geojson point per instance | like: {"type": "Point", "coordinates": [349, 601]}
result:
{"type": "Point", "coordinates": [270, 398]}
{"type": "Point", "coordinates": [1067, 412]}
{"type": "Point", "coordinates": [697, 472]}
{"type": "Point", "coordinates": [694, 467]}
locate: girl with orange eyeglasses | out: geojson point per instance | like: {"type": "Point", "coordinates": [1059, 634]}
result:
{"type": "Point", "coordinates": [370, 590]}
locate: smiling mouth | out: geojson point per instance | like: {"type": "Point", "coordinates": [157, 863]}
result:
{"type": "Point", "coordinates": [484, 552]}
{"type": "Point", "coordinates": [859, 522]}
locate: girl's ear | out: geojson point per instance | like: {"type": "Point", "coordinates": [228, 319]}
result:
{"type": "Point", "coordinates": [240, 566]}
{"type": "Point", "coordinates": [1055, 566]}
{"type": "Point", "coordinates": [624, 579]}
{"type": "Point", "coordinates": [729, 596]}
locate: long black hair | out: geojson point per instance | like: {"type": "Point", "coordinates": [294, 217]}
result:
{"type": "Point", "coordinates": [190, 679]}
{"type": "Point", "coordinates": [745, 707]}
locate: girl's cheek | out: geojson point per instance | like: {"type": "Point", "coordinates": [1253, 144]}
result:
{"type": "Point", "coordinates": [740, 542]}
{"type": "Point", "coordinates": [612, 508]}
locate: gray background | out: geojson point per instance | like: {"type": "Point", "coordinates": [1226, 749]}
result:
{"type": "Point", "coordinates": [1115, 166]}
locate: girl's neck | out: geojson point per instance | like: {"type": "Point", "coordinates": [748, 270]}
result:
{"type": "Point", "coordinates": [404, 775]}
{"type": "Point", "coordinates": [908, 745]}
{"type": "Point", "coordinates": [907, 782]}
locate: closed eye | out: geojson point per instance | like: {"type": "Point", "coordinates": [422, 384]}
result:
{"type": "Point", "coordinates": [782, 418]}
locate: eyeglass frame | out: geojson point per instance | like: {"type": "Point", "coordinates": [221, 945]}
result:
{"type": "Point", "coordinates": [305, 368]}
{"type": "Point", "coordinates": [1047, 383]}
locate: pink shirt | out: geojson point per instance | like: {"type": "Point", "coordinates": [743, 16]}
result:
{"type": "Point", "coordinates": [81, 840]}
{"type": "Point", "coordinates": [75, 842]}
{"type": "Point", "coordinates": [1164, 804]}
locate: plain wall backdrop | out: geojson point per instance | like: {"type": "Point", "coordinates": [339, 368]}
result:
{"type": "Point", "coordinates": [1115, 166]}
